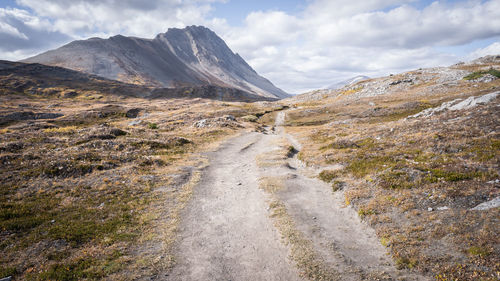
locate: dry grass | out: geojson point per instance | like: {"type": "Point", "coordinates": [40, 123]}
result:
{"type": "Point", "coordinates": [276, 157]}
{"type": "Point", "coordinates": [302, 253]}
{"type": "Point", "coordinates": [89, 196]}
{"type": "Point", "coordinates": [271, 184]}
{"type": "Point", "coordinates": [62, 130]}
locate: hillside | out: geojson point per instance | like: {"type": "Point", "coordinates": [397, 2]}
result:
{"type": "Point", "coordinates": [193, 56]}
{"type": "Point", "coordinates": [417, 156]}
{"type": "Point", "coordinates": [52, 81]}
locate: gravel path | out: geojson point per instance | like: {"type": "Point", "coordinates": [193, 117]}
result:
{"type": "Point", "coordinates": [226, 232]}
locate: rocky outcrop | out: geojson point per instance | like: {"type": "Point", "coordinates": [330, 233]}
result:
{"type": "Point", "coordinates": [457, 104]}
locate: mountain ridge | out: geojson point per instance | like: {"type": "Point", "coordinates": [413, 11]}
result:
{"type": "Point", "coordinates": [193, 56]}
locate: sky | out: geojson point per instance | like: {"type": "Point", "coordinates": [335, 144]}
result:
{"type": "Point", "coordinates": [299, 45]}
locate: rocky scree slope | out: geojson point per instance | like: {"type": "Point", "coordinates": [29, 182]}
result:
{"type": "Point", "coordinates": [192, 56]}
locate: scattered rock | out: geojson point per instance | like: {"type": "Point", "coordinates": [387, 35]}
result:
{"type": "Point", "coordinates": [493, 203]}
{"type": "Point", "coordinates": [486, 78]}
{"type": "Point", "coordinates": [117, 132]}
{"type": "Point", "coordinates": [224, 121]}
{"type": "Point", "coordinates": [229, 117]}
{"type": "Point", "coordinates": [133, 113]}
{"type": "Point", "coordinates": [400, 81]}
{"type": "Point", "coordinates": [69, 94]}
{"type": "Point", "coordinates": [28, 115]}
{"type": "Point", "coordinates": [135, 122]}
{"type": "Point", "coordinates": [102, 137]}
{"type": "Point", "coordinates": [201, 123]}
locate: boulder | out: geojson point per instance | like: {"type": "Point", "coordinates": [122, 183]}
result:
{"type": "Point", "coordinates": [133, 113]}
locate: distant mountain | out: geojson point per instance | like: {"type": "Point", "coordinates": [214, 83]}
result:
{"type": "Point", "coordinates": [349, 81]}
{"type": "Point", "coordinates": [193, 56]}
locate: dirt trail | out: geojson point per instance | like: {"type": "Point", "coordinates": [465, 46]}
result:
{"type": "Point", "coordinates": [227, 232]}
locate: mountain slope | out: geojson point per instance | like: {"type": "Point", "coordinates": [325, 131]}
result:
{"type": "Point", "coordinates": [191, 56]}
{"type": "Point", "coordinates": [52, 81]}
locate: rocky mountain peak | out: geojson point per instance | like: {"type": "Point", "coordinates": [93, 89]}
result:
{"type": "Point", "coordinates": [194, 55]}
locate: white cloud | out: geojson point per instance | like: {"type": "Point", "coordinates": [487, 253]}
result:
{"type": "Point", "coordinates": [493, 49]}
{"type": "Point", "coordinates": [329, 40]}
{"type": "Point", "coordinates": [8, 29]}
{"type": "Point", "coordinates": [333, 40]}
{"type": "Point", "coordinates": [21, 33]}
{"type": "Point", "coordinates": [87, 18]}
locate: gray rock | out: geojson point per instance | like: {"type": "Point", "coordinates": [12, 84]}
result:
{"type": "Point", "coordinates": [70, 94]}
{"type": "Point", "coordinates": [457, 104]}
{"type": "Point", "coordinates": [493, 203]}
{"type": "Point", "coordinates": [133, 113]}
{"type": "Point", "coordinates": [117, 132]}
{"type": "Point", "coordinates": [229, 117]}
{"type": "Point", "coordinates": [201, 123]}
{"type": "Point", "coordinates": [135, 122]}
{"type": "Point", "coordinates": [29, 115]}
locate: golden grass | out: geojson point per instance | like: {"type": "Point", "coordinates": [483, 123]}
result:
{"type": "Point", "coordinates": [302, 252]}
{"type": "Point", "coordinates": [272, 184]}
{"type": "Point", "coordinates": [62, 130]}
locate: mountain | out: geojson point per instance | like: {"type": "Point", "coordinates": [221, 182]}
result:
{"type": "Point", "coordinates": [349, 81]}
{"type": "Point", "coordinates": [193, 56]}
